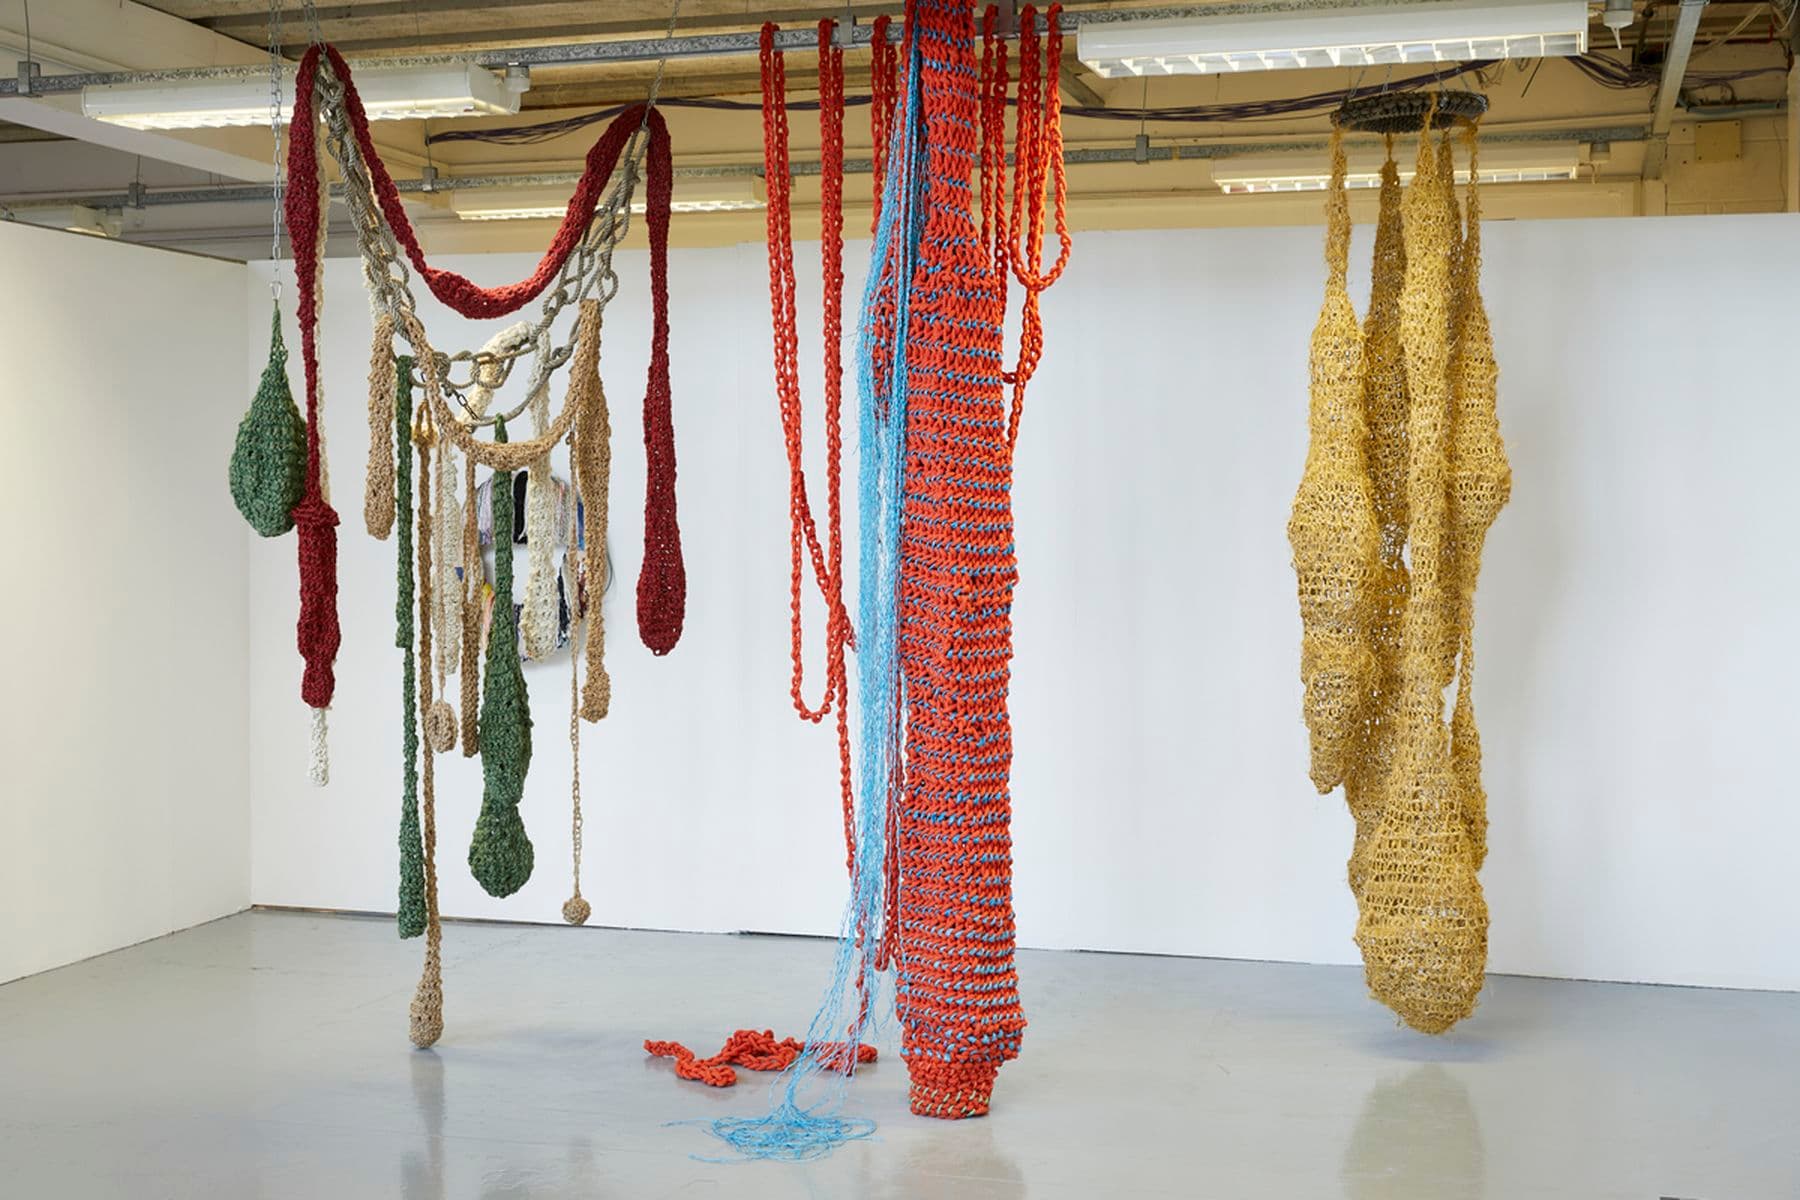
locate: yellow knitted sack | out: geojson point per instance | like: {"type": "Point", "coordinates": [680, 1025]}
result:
{"type": "Point", "coordinates": [1423, 922]}
{"type": "Point", "coordinates": [1332, 529]}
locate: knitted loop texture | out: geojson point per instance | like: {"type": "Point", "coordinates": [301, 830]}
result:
{"type": "Point", "coordinates": [500, 856]}
{"type": "Point", "coordinates": [412, 848]}
{"type": "Point", "coordinates": [592, 458]}
{"type": "Point", "coordinates": [268, 464]}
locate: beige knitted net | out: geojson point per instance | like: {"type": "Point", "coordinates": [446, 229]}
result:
{"type": "Point", "coordinates": [1388, 527]}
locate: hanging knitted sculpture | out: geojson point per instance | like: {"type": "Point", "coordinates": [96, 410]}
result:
{"type": "Point", "coordinates": [1423, 459]}
{"type": "Point", "coordinates": [268, 464]}
{"type": "Point", "coordinates": [411, 913]}
{"type": "Point", "coordinates": [500, 856]}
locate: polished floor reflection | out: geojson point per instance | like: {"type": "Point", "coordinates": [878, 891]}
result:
{"type": "Point", "coordinates": [265, 1056]}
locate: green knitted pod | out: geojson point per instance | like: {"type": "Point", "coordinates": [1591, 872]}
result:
{"type": "Point", "coordinates": [500, 855]}
{"type": "Point", "coordinates": [268, 467]}
{"type": "Point", "coordinates": [412, 843]}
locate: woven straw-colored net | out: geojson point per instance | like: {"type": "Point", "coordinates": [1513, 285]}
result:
{"type": "Point", "coordinates": [1434, 478]}
{"type": "Point", "coordinates": [1333, 530]}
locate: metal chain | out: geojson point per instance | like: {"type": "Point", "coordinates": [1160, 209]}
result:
{"type": "Point", "coordinates": [275, 132]}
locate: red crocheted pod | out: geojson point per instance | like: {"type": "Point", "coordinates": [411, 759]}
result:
{"type": "Point", "coordinates": [662, 581]}
{"type": "Point", "coordinates": [957, 990]}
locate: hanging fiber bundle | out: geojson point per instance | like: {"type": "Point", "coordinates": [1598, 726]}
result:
{"type": "Point", "coordinates": [1385, 407]}
{"type": "Point", "coordinates": [1480, 485]}
{"type": "Point", "coordinates": [1423, 922]}
{"type": "Point", "coordinates": [662, 582]}
{"type": "Point", "coordinates": [411, 914]}
{"type": "Point", "coordinates": [1332, 530]}
{"type": "Point", "coordinates": [592, 459]}
{"type": "Point", "coordinates": [500, 856]}
{"type": "Point", "coordinates": [268, 464]}
{"type": "Point", "coordinates": [378, 494]}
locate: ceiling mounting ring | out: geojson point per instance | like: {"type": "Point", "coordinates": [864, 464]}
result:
{"type": "Point", "coordinates": [1404, 112]}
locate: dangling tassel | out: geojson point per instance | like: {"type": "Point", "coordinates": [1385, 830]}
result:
{"type": "Point", "coordinates": [501, 856]}
{"type": "Point", "coordinates": [662, 582]}
{"type": "Point", "coordinates": [591, 455]}
{"type": "Point", "coordinates": [378, 497]}
{"type": "Point", "coordinates": [268, 465]}
{"type": "Point", "coordinates": [318, 765]}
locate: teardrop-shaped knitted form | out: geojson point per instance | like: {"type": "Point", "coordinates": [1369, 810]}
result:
{"type": "Point", "coordinates": [268, 465]}
{"type": "Point", "coordinates": [500, 856]}
{"type": "Point", "coordinates": [411, 910]}
{"type": "Point", "coordinates": [1333, 533]}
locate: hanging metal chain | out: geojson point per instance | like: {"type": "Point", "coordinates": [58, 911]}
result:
{"type": "Point", "coordinates": [275, 133]}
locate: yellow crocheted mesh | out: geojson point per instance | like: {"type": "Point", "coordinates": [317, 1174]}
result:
{"type": "Point", "coordinates": [1384, 412]}
{"type": "Point", "coordinates": [1332, 530]}
{"type": "Point", "coordinates": [1423, 922]}
{"type": "Point", "coordinates": [1480, 485]}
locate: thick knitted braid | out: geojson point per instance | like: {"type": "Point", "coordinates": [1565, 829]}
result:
{"type": "Point", "coordinates": [1039, 158]}
{"type": "Point", "coordinates": [957, 987]}
{"type": "Point", "coordinates": [828, 561]}
{"type": "Point", "coordinates": [268, 462]}
{"type": "Point", "coordinates": [378, 493]}
{"type": "Point", "coordinates": [427, 1016]}
{"type": "Point", "coordinates": [470, 595]}
{"type": "Point", "coordinates": [1423, 922]}
{"type": "Point", "coordinates": [1332, 529]}
{"type": "Point", "coordinates": [1384, 413]}
{"type": "Point", "coordinates": [662, 580]}
{"type": "Point", "coordinates": [411, 912]}
{"type": "Point", "coordinates": [452, 289]}
{"type": "Point", "coordinates": [317, 632]}
{"type": "Point", "coordinates": [591, 456]}
{"type": "Point", "coordinates": [884, 71]}
{"type": "Point", "coordinates": [1480, 486]}
{"type": "Point", "coordinates": [446, 611]}
{"type": "Point", "coordinates": [500, 854]}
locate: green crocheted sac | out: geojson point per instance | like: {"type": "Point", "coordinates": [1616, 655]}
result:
{"type": "Point", "coordinates": [501, 855]}
{"type": "Point", "coordinates": [412, 844]}
{"type": "Point", "coordinates": [268, 467]}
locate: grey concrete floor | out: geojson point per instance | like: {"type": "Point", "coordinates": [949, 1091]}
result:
{"type": "Point", "coordinates": [265, 1056]}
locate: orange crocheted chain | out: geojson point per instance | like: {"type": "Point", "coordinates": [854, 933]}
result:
{"type": "Point", "coordinates": [884, 90]}
{"type": "Point", "coordinates": [827, 563]}
{"type": "Point", "coordinates": [752, 1050]}
{"type": "Point", "coordinates": [1014, 236]}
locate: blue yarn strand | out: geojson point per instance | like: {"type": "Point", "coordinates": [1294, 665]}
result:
{"type": "Point", "coordinates": [807, 1120]}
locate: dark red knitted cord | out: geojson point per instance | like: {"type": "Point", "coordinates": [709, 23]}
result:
{"type": "Point", "coordinates": [314, 520]}
{"type": "Point", "coordinates": [662, 583]}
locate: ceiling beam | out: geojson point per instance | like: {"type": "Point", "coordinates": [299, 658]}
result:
{"type": "Point", "coordinates": [1668, 91]}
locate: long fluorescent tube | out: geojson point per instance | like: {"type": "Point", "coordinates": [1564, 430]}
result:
{"type": "Point", "coordinates": [541, 202]}
{"type": "Point", "coordinates": [1537, 162]}
{"type": "Point", "coordinates": [394, 94]}
{"type": "Point", "coordinates": [1361, 36]}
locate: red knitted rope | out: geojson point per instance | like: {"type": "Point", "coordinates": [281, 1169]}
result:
{"type": "Point", "coordinates": [752, 1050]}
{"type": "Point", "coordinates": [662, 581]}
{"type": "Point", "coordinates": [884, 87]}
{"type": "Point", "coordinates": [317, 632]}
{"type": "Point", "coordinates": [827, 563]}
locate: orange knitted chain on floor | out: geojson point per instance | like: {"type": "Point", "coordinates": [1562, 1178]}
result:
{"type": "Point", "coordinates": [750, 1049]}
{"type": "Point", "coordinates": [827, 564]}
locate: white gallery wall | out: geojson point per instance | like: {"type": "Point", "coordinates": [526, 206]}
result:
{"type": "Point", "coordinates": [123, 799]}
{"type": "Point", "coordinates": [1635, 630]}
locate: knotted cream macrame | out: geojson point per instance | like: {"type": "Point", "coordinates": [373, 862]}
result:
{"type": "Point", "coordinates": [1404, 475]}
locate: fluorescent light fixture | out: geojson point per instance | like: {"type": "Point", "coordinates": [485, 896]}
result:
{"type": "Point", "coordinates": [1535, 162]}
{"type": "Point", "coordinates": [388, 93]}
{"type": "Point", "coordinates": [728, 193]}
{"type": "Point", "coordinates": [1361, 36]}
{"type": "Point", "coordinates": [76, 218]}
